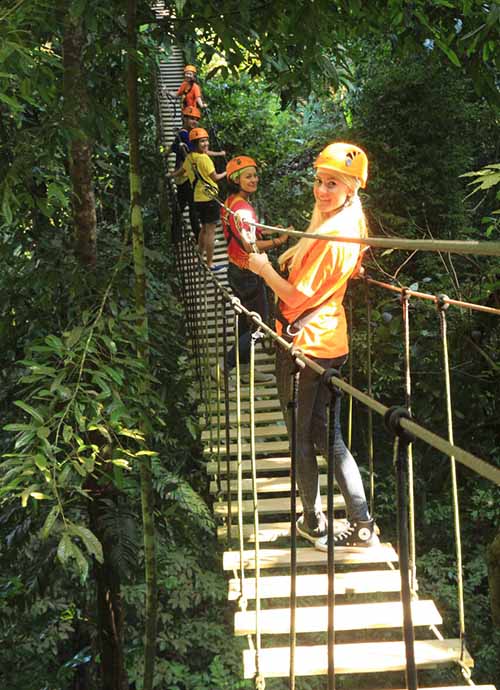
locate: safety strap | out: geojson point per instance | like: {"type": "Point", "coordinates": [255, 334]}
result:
{"type": "Point", "coordinates": [290, 330]}
{"type": "Point", "coordinates": [200, 178]}
{"type": "Point", "coordinates": [227, 225]}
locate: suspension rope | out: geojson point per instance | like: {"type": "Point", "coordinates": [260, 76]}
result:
{"type": "Point", "coordinates": [371, 465]}
{"type": "Point", "coordinates": [259, 678]}
{"type": "Point", "coordinates": [328, 377]}
{"type": "Point", "coordinates": [402, 440]}
{"type": "Point", "coordinates": [481, 467]}
{"type": "Point", "coordinates": [433, 298]}
{"type": "Point", "coordinates": [239, 460]}
{"type": "Point", "coordinates": [453, 246]}
{"type": "Point", "coordinates": [293, 421]}
{"type": "Point", "coordinates": [351, 374]}
{"type": "Point", "coordinates": [405, 304]}
{"type": "Point", "coordinates": [442, 306]}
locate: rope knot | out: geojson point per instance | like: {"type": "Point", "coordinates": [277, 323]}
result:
{"type": "Point", "coordinates": [392, 421]}
{"type": "Point", "coordinates": [236, 304]}
{"type": "Point", "coordinates": [442, 302]}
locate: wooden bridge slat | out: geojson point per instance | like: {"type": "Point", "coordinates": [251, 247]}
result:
{"type": "Point", "coordinates": [272, 464]}
{"type": "Point", "coordinates": [279, 558]}
{"type": "Point", "coordinates": [268, 531]}
{"type": "Point", "coordinates": [264, 485]}
{"type": "Point", "coordinates": [316, 584]}
{"type": "Point", "coordinates": [364, 657]}
{"type": "Point", "coordinates": [369, 616]}
{"type": "Point", "coordinates": [269, 506]}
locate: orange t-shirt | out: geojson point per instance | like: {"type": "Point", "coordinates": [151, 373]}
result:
{"type": "Point", "coordinates": [324, 271]}
{"type": "Point", "coordinates": [191, 93]}
{"type": "Point", "coordinates": [236, 253]}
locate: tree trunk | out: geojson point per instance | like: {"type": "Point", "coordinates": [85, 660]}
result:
{"type": "Point", "coordinates": [110, 618]}
{"type": "Point", "coordinates": [494, 578]}
{"type": "Point", "coordinates": [140, 296]}
{"type": "Point", "coordinates": [80, 146]}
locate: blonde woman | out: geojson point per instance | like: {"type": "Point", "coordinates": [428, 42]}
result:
{"type": "Point", "coordinates": [311, 316]}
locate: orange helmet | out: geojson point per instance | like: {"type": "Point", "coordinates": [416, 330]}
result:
{"type": "Point", "coordinates": [190, 68]}
{"type": "Point", "coordinates": [191, 111]}
{"type": "Point", "coordinates": [345, 158]}
{"type": "Point", "coordinates": [198, 133]}
{"type": "Point", "coordinates": [238, 163]}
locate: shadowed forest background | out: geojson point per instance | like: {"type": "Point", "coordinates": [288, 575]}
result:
{"type": "Point", "coordinates": [103, 495]}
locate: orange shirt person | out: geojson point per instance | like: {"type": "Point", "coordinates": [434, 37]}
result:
{"type": "Point", "coordinates": [189, 90]}
{"type": "Point", "coordinates": [312, 316]}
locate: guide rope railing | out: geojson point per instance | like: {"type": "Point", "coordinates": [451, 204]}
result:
{"type": "Point", "coordinates": [406, 426]}
{"type": "Point", "coordinates": [474, 247]}
{"type": "Point", "coordinates": [433, 298]}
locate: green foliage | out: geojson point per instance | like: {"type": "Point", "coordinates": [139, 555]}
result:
{"type": "Point", "coordinates": [192, 640]}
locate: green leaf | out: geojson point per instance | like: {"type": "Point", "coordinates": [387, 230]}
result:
{"type": "Point", "coordinates": [12, 102]}
{"type": "Point", "coordinates": [50, 521]}
{"type": "Point", "coordinates": [92, 544]}
{"type": "Point", "coordinates": [67, 433]}
{"type": "Point", "coordinates": [132, 433]}
{"type": "Point", "coordinates": [121, 462]}
{"type": "Point", "coordinates": [81, 561]}
{"type": "Point", "coordinates": [30, 410]}
{"type": "Point", "coordinates": [19, 427]}
{"type": "Point", "coordinates": [27, 493]}
{"type": "Point", "coordinates": [41, 461]}
{"type": "Point", "coordinates": [64, 549]}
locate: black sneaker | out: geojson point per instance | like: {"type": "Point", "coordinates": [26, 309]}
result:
{"type": "Point", "coordinates": [355, 533]}
{"type": "Point", "coordinates": [312, 535]}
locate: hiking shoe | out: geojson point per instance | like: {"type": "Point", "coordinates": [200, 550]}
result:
{"type": "Point", "coordinates": [355, 533]}
{"type": "Point", "coordinates": [258, 376]}
{"type": "Point", "coordinates": [230, 382]}
{"type": "Point", "coordinates": [312, 535]}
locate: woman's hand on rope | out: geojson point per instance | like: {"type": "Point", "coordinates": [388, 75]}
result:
{"type": "Point", "coordinates": [257, 262]}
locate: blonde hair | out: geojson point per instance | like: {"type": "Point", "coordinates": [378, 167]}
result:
{"type": "Point", "coordinates": [319, 222]}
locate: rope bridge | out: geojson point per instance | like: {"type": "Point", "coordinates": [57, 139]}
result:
{"type": "Point", "coordinates": [371, 593]}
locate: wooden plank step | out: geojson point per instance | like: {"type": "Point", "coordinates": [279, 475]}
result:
{"type": "Point", "coordinates": [262, 447]}
{"type": "Point", "coordinates": [271, 404]}
{"type": "Point", "coordinates": [372, 615]}
{"type": "Point", "coordinates": [260, 432]}
{"type": "Point", "coordinates": [276, 464]}
{"type": "Point", "coordinates": [316, 585]}
{"type": "Point", "coordinates": [259, 418]}
{"type": "Point", "coordinates": [454, 687]}
{"type": "Point", "coordinates": [265, 485]}
{"type": "Point", "coordinates": [269, 506]}
{"type": "Point", "coordinates": [280, 558]}
{"type": "Point", "coordinates": [364, 657]}
{"type": "Point", "coordinates": [268, 531]}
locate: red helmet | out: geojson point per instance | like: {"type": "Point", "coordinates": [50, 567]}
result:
{"type": "Point", "coordinates": [238, 163]}
{"type": "Point", "coordinates": [198, 133]}
{"type": "Point", "coordinates": [191, 111]}
{"type": "Point", "coordinates": [345, 158]}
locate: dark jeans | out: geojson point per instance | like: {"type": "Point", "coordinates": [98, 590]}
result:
{"type": "Point", "coordinates": [312, 438]}
{"type": "Point", "coordinates": [251, 291]}
{"type": "Point", "coordinates": [185, 198]}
